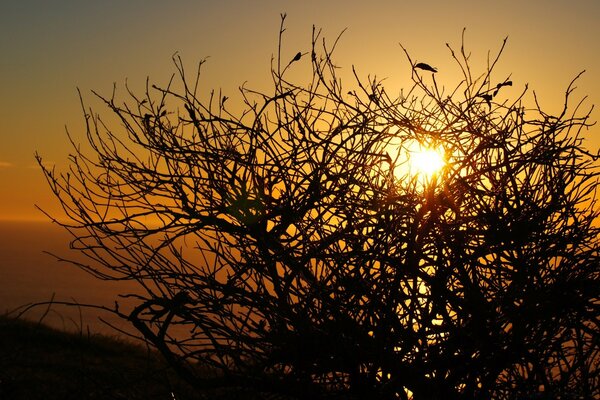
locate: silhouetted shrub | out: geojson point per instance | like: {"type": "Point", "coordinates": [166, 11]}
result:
{"type": "Point", "coordinates": [291, 245]}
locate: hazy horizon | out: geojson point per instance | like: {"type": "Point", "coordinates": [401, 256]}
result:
{"type": "Point", "coordinates": [30, 275]}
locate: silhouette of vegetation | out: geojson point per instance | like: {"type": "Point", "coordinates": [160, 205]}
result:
{"type": "Point", "coordinates": [38, 362]}
{"type": "Point", "coordinates": [290, 246]}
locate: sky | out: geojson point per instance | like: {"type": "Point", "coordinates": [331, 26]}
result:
{"type": "Point", "coordinates": [49, 49]}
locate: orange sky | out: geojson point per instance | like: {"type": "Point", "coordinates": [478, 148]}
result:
{"type": "Point", "coordinates": [48, 49]}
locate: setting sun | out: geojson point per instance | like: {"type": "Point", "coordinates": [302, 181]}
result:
{"type": "Point", "coordinates": [426, 161]}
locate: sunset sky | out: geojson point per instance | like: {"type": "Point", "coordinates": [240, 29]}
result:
{"type": "Point", "coordinates": [50, 48]}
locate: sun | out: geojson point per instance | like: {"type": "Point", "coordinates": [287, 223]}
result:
{"type": "Point", "coordinates": [414, 162]}
{"type": "Point", "coordinates": [426, 162]}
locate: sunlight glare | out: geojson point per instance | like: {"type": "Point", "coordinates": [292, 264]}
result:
{"type": "Point", "coordinates": [426, 161]}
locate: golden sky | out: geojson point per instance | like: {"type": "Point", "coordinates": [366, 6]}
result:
{"type": "Point", "coordinates": [49, 48]}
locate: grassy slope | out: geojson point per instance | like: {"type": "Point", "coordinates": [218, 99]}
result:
{"type": "Point", "coordinates": [37, 362]}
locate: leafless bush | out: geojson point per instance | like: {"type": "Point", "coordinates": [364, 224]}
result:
{"type": "Point", "coordinates": [290, 246]}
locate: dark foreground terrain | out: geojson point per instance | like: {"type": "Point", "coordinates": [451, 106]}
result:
{"type": "Point", "coordinates": [37, 362]}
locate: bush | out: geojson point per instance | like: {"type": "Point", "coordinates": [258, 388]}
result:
{"type": "Point", "coordinates": [292, 246]}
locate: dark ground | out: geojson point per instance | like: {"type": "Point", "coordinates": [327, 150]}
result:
{"type": "Point", "coordinates": [37, 362]}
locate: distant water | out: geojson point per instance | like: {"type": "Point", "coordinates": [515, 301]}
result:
{"type": "Point", "coordinates": [29, 275]}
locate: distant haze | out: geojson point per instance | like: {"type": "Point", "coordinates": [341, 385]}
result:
{"type": "Point", "coordinates": [28, 275]}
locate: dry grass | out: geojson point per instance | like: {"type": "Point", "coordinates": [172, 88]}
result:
{"type": "Point", "coordinates": [37, 362]}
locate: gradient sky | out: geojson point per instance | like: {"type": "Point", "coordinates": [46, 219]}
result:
{"type": "Point", "coordinates": [49, 48]}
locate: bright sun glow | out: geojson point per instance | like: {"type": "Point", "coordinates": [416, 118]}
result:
{"type": "Point", "coordinates": [426, 161]}
{"type": "Point", "coordinates": [415, 162]}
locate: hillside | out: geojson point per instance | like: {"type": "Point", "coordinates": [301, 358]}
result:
{"type": "Point", "coordinates": [37, 362]}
